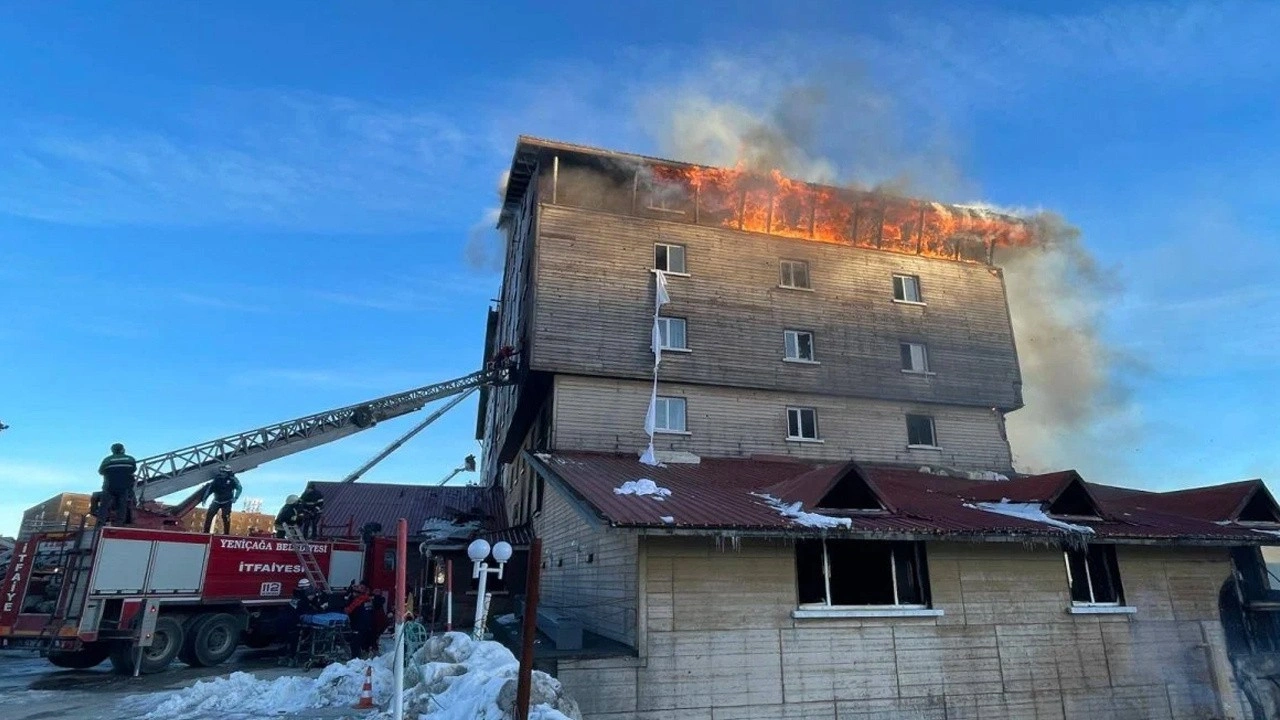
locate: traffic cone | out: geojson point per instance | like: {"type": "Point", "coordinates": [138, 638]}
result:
{"type": "Point", "coordinates": [366, 692]}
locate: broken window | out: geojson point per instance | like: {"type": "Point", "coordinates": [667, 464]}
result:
{"type": "Point", "coordinates": [671, 333]}
{"type": "Point", "coordinates": [1094, 576]}
{"type": "Point", "coordinates": [799, 345]}
{"type": "Point", "coordinates": [915, 358]}
{"type": "Point", "coordinates": [802, 423]}
{"type": "Point", "coordinates": [906, 288]}
{"type": "Point", "coordinates": [668, 258]}
{"type": "Point", "coordinates": [794, 274]}
{"type": "Point", "coordinates": [669, 414]}
{"type": "Point", "coordinates": [859, 573]}
{"type": "Point", "coordinates": [920, 431]}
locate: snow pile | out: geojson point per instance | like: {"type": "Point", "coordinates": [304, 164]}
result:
{"type": "Point", "coordinates": [987, 475]}
{"type": "Point", "coordinates": [440, 529]}
{"type": "Point", "coordinates": [1027, 511]}
{"type": "Point", "coordinates": [450, 676]}
{"type": "Point", "coordinates": [797, 514]}
{"type": "Point", "coordinates": [643, 486]}
{"type": "Point", "coordinates": [338, 685]}
{"type": "Point", "coordinates": [463, 678]}
{"type": "Point", "coordinates": [668, 519]}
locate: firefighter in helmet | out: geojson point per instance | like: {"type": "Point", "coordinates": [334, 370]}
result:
{"type": "Point", "coordinates": [225, 490]}
{"type": "Point", "coordinates": [311, 505]}
{"type": "Point", "coordinates": [117, 471]}
{"type": "Point", "coordinates": [289, 515]}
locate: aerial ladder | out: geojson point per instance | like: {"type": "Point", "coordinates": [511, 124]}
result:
{"type": "Point", "coordinates": [192, 467]}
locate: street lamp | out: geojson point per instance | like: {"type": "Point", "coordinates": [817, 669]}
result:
{"type": "Point", "coordinates": [478, 551]}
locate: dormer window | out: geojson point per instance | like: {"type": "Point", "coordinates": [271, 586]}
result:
{"type": "Point", "coordinates": [1259, 509]}
{"type": "Point", "coordinates": [1073, 502]}
{"type": "Point", "coordinates": [851, 494]}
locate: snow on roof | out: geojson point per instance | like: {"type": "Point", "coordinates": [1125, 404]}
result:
{"type": "Point", "coordinates": [643, 486]}
{"type": "Point", "coordinates": [1028, 511]}
{"type": "Point", "coordinates": [796, 513]}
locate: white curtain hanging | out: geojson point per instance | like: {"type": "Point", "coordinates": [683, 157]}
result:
{"type": "Point", "coordinates": [660, 298]}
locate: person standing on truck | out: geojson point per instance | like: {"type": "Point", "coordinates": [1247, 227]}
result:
{"type": "Point", "coordinates": [225, 490]}
{"type": "Point", "coordinates": [311, 505]}
{"type": "Point", "coordinates": [117, 471]}
{"type": "Point", "coordinates": [289, 515]}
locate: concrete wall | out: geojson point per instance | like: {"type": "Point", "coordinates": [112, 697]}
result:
{"type": "Point", "coordinates": [607, 415]}
{"type": "Point", "coordinates": [720, 643]}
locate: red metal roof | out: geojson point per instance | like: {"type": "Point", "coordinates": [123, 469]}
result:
{"type": "Point", "coordinates": [727, 494]}
{"type": "Point", "coordinates": [355, 504]}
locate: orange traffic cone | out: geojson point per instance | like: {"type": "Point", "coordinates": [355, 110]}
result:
{"type": "Point", "coordinates": [366, 692]}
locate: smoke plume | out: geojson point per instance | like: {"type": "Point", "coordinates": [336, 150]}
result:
{"type": "Point", "coordinates": [1056, 290]}
{"type": "Point", "coordinates": [486, 248]}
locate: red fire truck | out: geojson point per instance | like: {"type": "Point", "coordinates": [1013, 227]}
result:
{"type": "Point", "coordinates": [143, 595]}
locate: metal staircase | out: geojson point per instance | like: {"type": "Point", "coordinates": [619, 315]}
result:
{"type": "Point", "coordinates": [76, 558]}
{"type": "Point", "coordinates": [181, 469]}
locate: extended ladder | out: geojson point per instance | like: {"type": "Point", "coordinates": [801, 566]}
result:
{"type": "Point", "coordinates": [310, 568]}
{"type": "Point", "coordinates": [75, 560]}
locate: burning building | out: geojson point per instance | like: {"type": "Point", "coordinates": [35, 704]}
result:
{"type": "Point", "coordinates": [759, 426]}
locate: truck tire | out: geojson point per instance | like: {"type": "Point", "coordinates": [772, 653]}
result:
{"type": "Point", "coordinates": [216, 639]}
{"type": "Point", "coordinates": [187, 654]}
{"type": "Point", "coordinates": [165, 644]}
{"type": "Point", "coordinates": [90, 655]}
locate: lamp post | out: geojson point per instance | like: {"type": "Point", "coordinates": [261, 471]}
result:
{"type": "Point", "coordinates": [478, 551]}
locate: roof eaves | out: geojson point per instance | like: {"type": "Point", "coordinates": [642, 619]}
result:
{"type": "Point", "coordinates": [589, 512]}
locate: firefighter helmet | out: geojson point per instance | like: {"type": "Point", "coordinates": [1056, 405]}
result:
{"type": "Point", "coordinates": [291, 499]}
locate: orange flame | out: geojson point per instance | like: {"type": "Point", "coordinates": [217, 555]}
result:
{"type": "Point", "coordinates": [777, 205]}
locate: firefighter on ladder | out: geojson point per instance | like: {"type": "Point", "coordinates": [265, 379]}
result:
{"type": "Point", "coordinates": [290, 514]}
{"type": "Point", "coordinates": [311, 506]}
{"type": "Point", "coordinates": [225, 490]}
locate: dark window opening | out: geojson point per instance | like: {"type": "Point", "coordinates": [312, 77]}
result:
{"type": "Point", "coordinates": [794, 274]}
{"type": "Point", "coordinates": [668, 258]}
{"type": "Point", "coordinates": [1094, 576]}
{"type": "Point", "coordinates": [860, 573]}
{"type": "Point", "coordinates": [850, 493]}
{"type": "Point", "coordinates": [1074, 500]}
{"type": "Point", "coordinates": [906, 288]}
{"type": "Point", "coordinates": [802, 424]}
{"type": "Point", "coordinates": [920, 431]}
{"type": "Point", "coordinates": [1259, 509]}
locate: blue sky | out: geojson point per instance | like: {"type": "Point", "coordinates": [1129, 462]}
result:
{"type": "Point", "coordinates": [216, 216]}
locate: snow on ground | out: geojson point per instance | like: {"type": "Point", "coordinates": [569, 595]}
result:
{"type": "Point", "coordinates": [1027, 511]}
{"type": "Point", "coordinates": [451, 676]}
{"type": "Point", "coordinates": [796, 512]}
{"type": "Point", "coordinates": [643, 486]}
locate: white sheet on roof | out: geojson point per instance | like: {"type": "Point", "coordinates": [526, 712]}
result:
{"type": "Point", "coordinates": [1028, 511]}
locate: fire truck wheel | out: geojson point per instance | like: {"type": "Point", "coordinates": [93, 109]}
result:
{"type": "Point", "coordinates": [217, 639]}
{"type": "Point", "coordinates": [91, 655]}
{"type": "Point", "coordinates": [165, 644]}
{"type": "Point", "coordinates": [188, 652]}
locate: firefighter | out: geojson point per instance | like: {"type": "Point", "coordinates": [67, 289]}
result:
{"type": "Point", "coordinates": [360, 612]}
{"type": "Point", "coordinates": [288, 515]}
{"type": "Point", "coordinates": [225, 490]}
{"type": "Point", "coordinates": [117, 471]}
{"type": "Point", "coordinates": [311, 506]}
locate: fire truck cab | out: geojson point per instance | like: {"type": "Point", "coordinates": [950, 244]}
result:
{"type": "Point", "coordinates": [143, 597]}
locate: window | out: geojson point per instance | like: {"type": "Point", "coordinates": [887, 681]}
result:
{"type": "Point", "coordinates": [1094, 576]}
{"type": "Point", "coordinates": [860, 573]}
{"type": "Point", "coordinates": [915, 358]}
{"type": "Point", "coordinates": [799, 345]}
{"type": "Point", "coordinates": [794, 274]}
{"type": "Point", "coordinates": [669, 416]}
{"type": "Point", "coordinates": [920, 431]}
{"type": "Point", "coordinates": [1271, 564]}
{"type": "Point", "coordinates": [668, 258]}
{"type": "Point", "coordinates": [671, 333]}
{"type": "Point", "coordinates": [667, 198]}
{"type": "Point", "coordinates": [906, 288]}
{"type": "Point", "coordinates": [802, 424]}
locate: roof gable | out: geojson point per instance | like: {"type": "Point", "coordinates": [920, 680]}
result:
{"type": "Point", "coordinates": [1258, 506]}
{"type": "Point", "coordinates": [852, 490]}
{"type": "Point", "coordinates": [1074, 499]}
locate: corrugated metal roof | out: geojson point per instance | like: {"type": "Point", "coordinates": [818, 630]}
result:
{"type": "Point", "coordinates": [724, 494]}
{"type": "Point", "coordinates": [358, 503]}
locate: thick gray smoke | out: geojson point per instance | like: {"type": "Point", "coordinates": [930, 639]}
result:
{"type": "Point", "coordinates": [1056, 290]}
{"type": "Point", "coordinates": [486, 247]}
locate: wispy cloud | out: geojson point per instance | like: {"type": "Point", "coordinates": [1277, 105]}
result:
{"type": "Point", "coordinates": [287, 160]}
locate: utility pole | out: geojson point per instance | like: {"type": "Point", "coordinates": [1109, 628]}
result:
{"type": "Point", "coordinates": [529, 629]}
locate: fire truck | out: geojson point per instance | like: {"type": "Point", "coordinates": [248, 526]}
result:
{"type": "Point", "coordinates": [145, 594]}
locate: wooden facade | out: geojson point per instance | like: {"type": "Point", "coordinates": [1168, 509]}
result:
{"type": "Point", "coordinates": [719, 642]}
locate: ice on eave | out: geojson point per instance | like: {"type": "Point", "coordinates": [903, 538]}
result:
{"type": "Point", "coordinates": [795, 511]}
{"type": "Point", "coordinates": [1027, 511]}
{"type": "Point", "coordinates": [667, 519]}
{"type": "Point", "coordinates": [644, 487]}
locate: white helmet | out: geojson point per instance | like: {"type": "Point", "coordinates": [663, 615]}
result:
{"type": "Point", "coordinates": [291, 499]}
{"type": "Point", "coordinates": [304, 583]}
{"type": "Point", "coordinates": [225, 468]}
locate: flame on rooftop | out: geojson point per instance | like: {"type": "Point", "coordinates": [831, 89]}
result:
{"type": "Point", "coordinates": [776, 205]}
